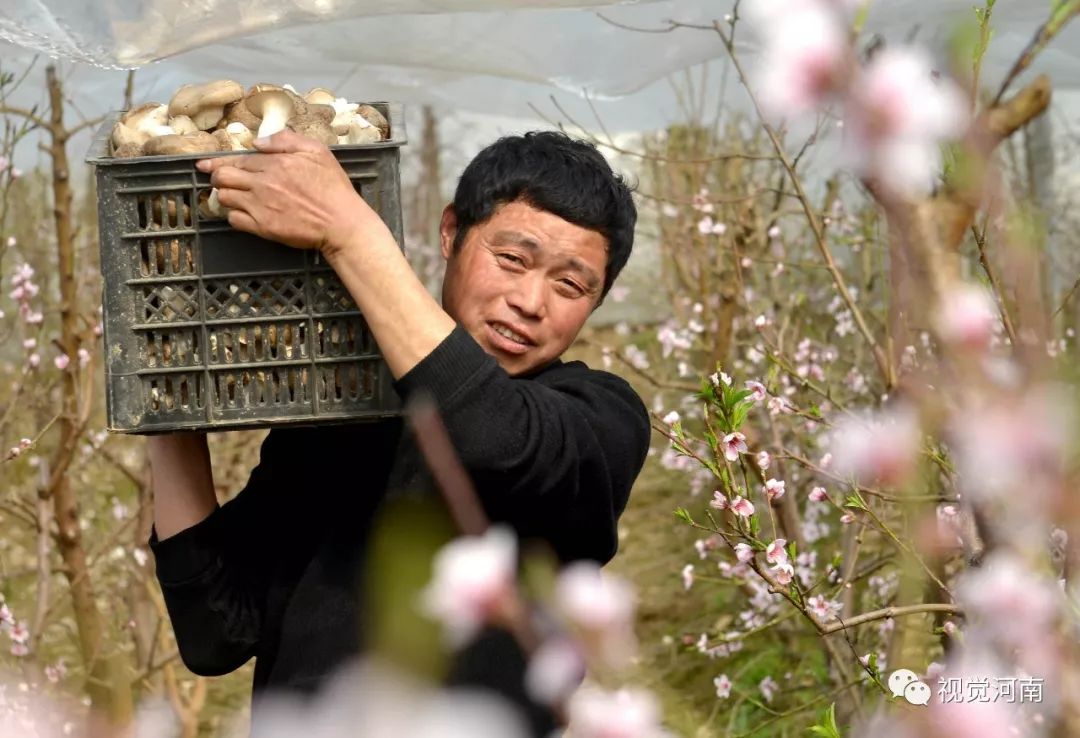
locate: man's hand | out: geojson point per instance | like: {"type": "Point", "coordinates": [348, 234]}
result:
{"type": "Point", "coordinates": [293, 192]}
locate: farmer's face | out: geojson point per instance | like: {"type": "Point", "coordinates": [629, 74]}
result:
{"type": "Point", "coordinates": [523, 283]}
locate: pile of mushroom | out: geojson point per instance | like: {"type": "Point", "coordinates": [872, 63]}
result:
{"type": "Point", "coordinates": [221, 116]}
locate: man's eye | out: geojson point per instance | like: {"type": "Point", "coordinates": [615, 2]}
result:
{"type": "Point", "coordinates": [574, 286]}
{"type": "Point", "coordinates": [512, 259]}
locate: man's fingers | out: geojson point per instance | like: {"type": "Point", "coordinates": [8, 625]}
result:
{"type": "Point", "coordinates": [236, 199]}
{"type": "Point", "coordinates": [288, 142]}
{"type": "Point", "coordinates": [235, 178]}
{"type": "Point", "coordinates": [242, 221]}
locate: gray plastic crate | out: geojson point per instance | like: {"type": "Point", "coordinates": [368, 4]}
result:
{"type": "Point", "coordinates": [210, 328]}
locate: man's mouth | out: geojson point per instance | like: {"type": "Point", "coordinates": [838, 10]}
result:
{"type": "Point", "coordinates": [507, 339]}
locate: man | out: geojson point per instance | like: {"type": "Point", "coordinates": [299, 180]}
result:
{"type": "Point", "coordinates": [537, 233]}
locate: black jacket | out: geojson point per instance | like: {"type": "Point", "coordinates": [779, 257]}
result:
{"type": "Point", "coordinates": [273, 573]}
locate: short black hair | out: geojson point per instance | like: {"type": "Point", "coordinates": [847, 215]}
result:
{"type": "Point", "coordinates": [550, 171]}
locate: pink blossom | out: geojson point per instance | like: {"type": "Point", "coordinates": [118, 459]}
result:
{"type": "Point", "coordinates": [742, 506]}
{"type": "Point", "coordinates": [768, 687]}
{"type": "Point", "coordinates": [29, 343]}
{"type": "Point", "coordinates": [34, 360]}
{"type": "Point", "coordinates": [97, 327]}
{"type": "Point", "coordinates": [628, 713]}
{"type": "Point", "coordinates": [672, 418]}
{"type": "Point", "coordinates": [757, 390]}
{"type": "Point", "coordinates": [719, 500]}
{"type": "Point", "coordinates": [62, 361]}
{"type": "Point", "coordinates": [20, 649]}
{"type": "Point", "coordinates": [55, 672]}
{"type": "Point", "coordinates": [779, 405]}
{"type": "Point", "coordinates": [555, 670]}
{"type": "Point", "coordinates": [688, 576]}
{"type": "Point", "coordinates": [763, 460]}
{"type": "Point", "coordinates": [1004, 592]}
{"type": "Point", "coordinates": [6, 618]}
{"type": "Point", "coordinates": [701, 202]}
{"type": "Point", "coordinates": [775, 552]}
{"type": "Point", "coordinates": [723, 686]}
{"type": "Point", "coordinates": [34, 318]}
{"type": "Point", "coordinates": [601, 607]}
{"type": "Point", "coordinates": [743, 552]}
{"type": "Point", "coordinates": [774, 489]}
{"type": "Point", "coordinates": [847, 518]}
{"type": "Point", "coordinates": [880, 448]}
{"type": "Point", "coordinates": [897, 115]}
{"type": "Point", "coordinates": [822, 609]}
{"type": "Point", "coordinates": [818, 494]}
{"type": "Point", "coordinates": [967, 317]}
{"type": "Point", "coordinates": [733, 445]}
{"type": "Point", "coordinates": [717, 378]}
{"type": "Point", "coordinates": [804, 56]}
{"type": "Point", "coordinates": [826, 461]}
{"type": "Point", "coordinates": [19, 633]}
{"type": "Point", "coordinates": [473, 576]}
{"type": "Point", "coordinates": [707, 226]}
{"type": "Point", "coordinates": [84, 357]}
{"type": "Point", "coordinates": [783, 572]}
{"type": "Point", "coordinates": [761, 321]}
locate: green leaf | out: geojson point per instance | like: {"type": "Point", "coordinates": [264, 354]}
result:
{"type": "Point", "coordinates": [827, 727]}
{"type": "Point", "coordinates": [854, 502]}
{"type": "Point", "coordinates": [684, 515]}
{"type": "Point", "coordinates": [755, 525]}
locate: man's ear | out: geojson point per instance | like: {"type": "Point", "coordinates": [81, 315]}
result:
{"type": "Point", "coordinates": [448, 227]}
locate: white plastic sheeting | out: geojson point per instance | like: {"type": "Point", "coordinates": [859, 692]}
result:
{"type": "Point", "coordinates": [491, 56]}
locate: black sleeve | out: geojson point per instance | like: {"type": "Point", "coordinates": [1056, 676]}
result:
{"type": "Point", "coordinates": [555, 455]}
{"type": "Point", "coordinates": [214, 575]}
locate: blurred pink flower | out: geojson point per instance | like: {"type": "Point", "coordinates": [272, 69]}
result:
{"type": "Point", "coordinates": [33, 360]}
{"type": "Point", "coordinates": [897, 114]}
{"type": "Point", "coordinates": [822, 609]}
{"type": "Point", "coordinates": [472, 577]}
{"type": "Point", "coordinates": [779, 405]}
{"type": "Point", "coordinates": [723, 686]}
{"type": "Point", "coordinates": [818, 494]}
{"type": "Point", "coordinates": [601, 607]}
{"type": "Point", "coordinates": [688, 576]}
{"type": "Point", "coordinates": [19, 633]}
{"type": "Point", "coordinates": [6, 618]}
{"type": "Point", "coordinates": [627, 713]}
{"type": "Point", "coordinates": [1004, 592]}
{"type": "Point", "coordinates": [783, 572]}
{"type": "Point", "coordinates": [62, 361]}
{"type": "Point", "coordinates": [775, 552]}
{"type": "Point", "coordinates": [757, 390]}
{"type": "Point", "coordinates": [743, 552]}
{"type": "Point", "coordinates": [733, 445]}
{"type": "Point", "coordinates": [804, 58]}
{"type": "Point", "coordinates": [847, 518]}
{"type": "Point", "coordinates": [967, 317]}
{"type": "Point", "coordinates": [742, 506]}
{"type": "Point", "coordinates": [768, 687]}
{"type": "Point", "coordinates": [763, 460]}
{"type": "Point", "coordinates": [84, 357]}
{"type": "Point", "coordinates": [774, 489]}
{"type": "Point", "coordinates": [555, 670]}
{"type": "Point", "coordinates": [880, 448]}
{"type": "Point", "coordinates": [719, 500]}
{"type": "Point", "coordinates": [672, 418]}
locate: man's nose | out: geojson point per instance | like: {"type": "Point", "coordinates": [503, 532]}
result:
{"type": "Point", "coordinates": [528, 295]}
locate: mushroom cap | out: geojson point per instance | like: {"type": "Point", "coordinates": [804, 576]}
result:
{"type": "Point", "coordinates": [238, 112]}
{"type": "Point", "coordinates": [319, 96]}
{"type": "Point", "coordinates": [326, 112]}
{"type": "Point", "coordinates": [259, 95]}
{"type": "Point", "coordinates": [127, 151]}
{"type": "Point", "coordinates": [314, 127]}
{"type": "Point", "coordinates": [146, 117]}
{"type": "Point", "coordinates": [375, 118]}
{"type": "Point", "coordinates": [242, 134]}
{"type": "Point", "coordinates": [205, 104]}
{"type": "Point", "coordinates": [182, 124]}
{"type": "Point", "coordinates": [125, 135]}
{"type": "Point", "coordinates": [193, 143]}
{"type": "Point", "coordinates": [361, 132]}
